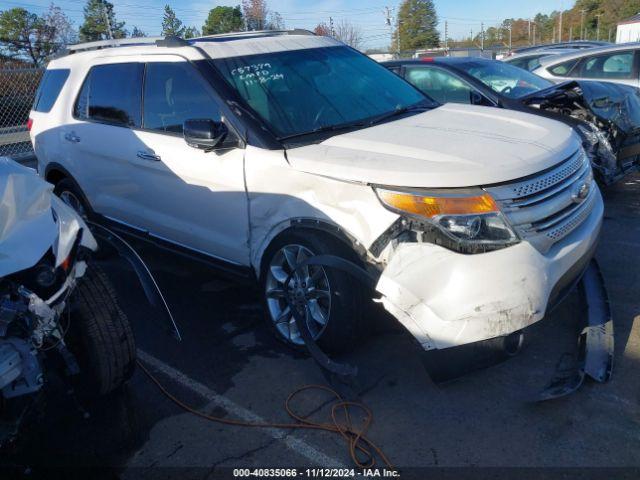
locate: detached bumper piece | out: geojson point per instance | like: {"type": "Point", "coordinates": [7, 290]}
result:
{"type": "Point", "coordinates": [595, 342]}
{"type": "Point", "coordinates": [148, 282]}
{"type": "Point", "coordinates": [341, 376]}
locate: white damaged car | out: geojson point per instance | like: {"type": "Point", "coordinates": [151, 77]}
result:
{"type": "Point", "coordinates": [255, 151]}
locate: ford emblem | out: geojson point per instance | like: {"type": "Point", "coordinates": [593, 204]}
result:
{"type": "Point", "coordinates": [581, 192]}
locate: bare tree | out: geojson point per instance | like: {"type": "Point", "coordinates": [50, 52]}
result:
{"type": "Point", "coordinates": [275, 22]}
{"type": "Point", "coordinates": [348, 33]}
{"type": "Point", "coordinates": [60, 25]}
{"type": "Point", "coordinates": [255, 14]}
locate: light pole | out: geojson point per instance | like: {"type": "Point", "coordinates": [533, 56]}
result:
{"type": "Point", "coordinates": [560, 26]}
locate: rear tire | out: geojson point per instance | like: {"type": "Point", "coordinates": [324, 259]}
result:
{"type": "Point", "coordinates": [71, 195]}
{"type": "Point", "coordinates": [347, 302]}
{"type": "Point", "coordinates": [100, 335]}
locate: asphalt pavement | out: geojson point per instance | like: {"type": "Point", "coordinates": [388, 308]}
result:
{"type": "Point", "coordinates": [229, 365]}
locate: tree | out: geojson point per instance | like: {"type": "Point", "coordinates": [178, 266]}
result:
{"type": "Point", "coordinates": [59, 26]}
{"type": "Point", "coordinates": [171, 25]}
{"type": "Point", "coordinates": [275, 21]}
{"type": "Point", "coordinates": [255, 14]}
{"type": "Point", "coordinates": [223, 20]}
{"type": "Point", "coordinates": [348, 33]}
{"type": "Point", "coordinates": [191, 32]}
{"type": "Point", "coordinates": [136, 33]}
{"type": "Point", "coordinates": [418, 25]}
{"type": "Point", "coordinates": [322, 30]}
{"type": "Point", "coordinates": [95, 26]}
{"type": "Point", "coordinates": [26, 35]}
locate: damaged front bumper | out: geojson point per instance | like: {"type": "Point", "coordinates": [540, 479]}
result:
{"type": "Point", "coordinates": [447, 299]}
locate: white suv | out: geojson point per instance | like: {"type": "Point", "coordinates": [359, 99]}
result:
{"type": "Point", "coordinates": [257, 150]}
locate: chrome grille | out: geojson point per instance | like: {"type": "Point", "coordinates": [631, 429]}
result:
{"type": "Point", "coordinates": [548, 207]}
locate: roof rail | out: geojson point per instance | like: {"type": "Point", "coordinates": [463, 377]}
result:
{"type": "Point", "coordinates": [250, 34]}
{"type": "Point", "coordinates": [169, 41]}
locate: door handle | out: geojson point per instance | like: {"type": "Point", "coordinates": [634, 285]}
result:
{"type": "Point", "coordinates": [148, 156]}
{"type": "Point", "coordinates": [71, 137]}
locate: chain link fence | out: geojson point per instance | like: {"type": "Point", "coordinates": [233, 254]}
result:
{"type": "Point", "coordinates": [18, 85]}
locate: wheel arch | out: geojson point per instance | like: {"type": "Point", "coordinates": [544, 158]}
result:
{"type": "Point", "coordinates": [54, 173]}
{"type": "Point", "coordinates": [311, 225]}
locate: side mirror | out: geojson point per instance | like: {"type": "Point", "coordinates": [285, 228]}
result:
{"type": "Point", "coordinates": [204, 134]}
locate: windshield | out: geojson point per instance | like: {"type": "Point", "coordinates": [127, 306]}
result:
{"type": "Point", "coordinates": [508, 80]}
{"type": "Point", "coordinates": [304, 91]}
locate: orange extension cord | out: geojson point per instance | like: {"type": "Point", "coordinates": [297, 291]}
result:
{"type": "Point", "coordinates": [356, 439]}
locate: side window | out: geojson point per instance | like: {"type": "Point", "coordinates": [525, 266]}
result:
{"type": "Point", "coordinates": [49, 89]}
{"type": "Point", "coordinates": [112, 94]}
{"type": "Point", "coordinates": [533, 63]}
{"type": "Point", "coordinates": [175, 92]}
{"type": "Point", "coordinates": [440, 85]}
{"type": "Point", "coordinates": [81, 108]}
{"type": "Point", "coordinates": [616, 65]}
{"type": "Point", "coordinates": [563, 69]}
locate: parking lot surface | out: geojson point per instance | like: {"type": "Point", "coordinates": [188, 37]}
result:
{"type": "Point", "coordinates": [228, 364]}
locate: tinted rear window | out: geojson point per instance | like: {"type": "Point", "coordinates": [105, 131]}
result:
{"type": "Point", "coordinates": [49, 89]}
{"type": "Point", "coordinates": [112, 94]}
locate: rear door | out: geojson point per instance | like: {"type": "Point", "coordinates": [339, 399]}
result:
{"type": "Point", "coordinates": [101, 136]}
{"type": "Point", "coordinates": [618, 67]}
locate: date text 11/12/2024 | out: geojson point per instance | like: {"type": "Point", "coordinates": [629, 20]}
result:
{"type": "Point", "coordinates": [315, 472]}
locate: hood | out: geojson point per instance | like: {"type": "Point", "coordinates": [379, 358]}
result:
{"type": "Point", "coordinates": [449, 146]}
{"type": "Point", "coordinates": [28, 227]}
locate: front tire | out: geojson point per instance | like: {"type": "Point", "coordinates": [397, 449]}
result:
{"type": "Point", "coordinates": [334, 300]}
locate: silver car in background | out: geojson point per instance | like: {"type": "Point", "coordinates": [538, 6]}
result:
{"type": "Point", "coordinates": [615, 63]}
{"type": "Point", "coordinates": [531, 60]}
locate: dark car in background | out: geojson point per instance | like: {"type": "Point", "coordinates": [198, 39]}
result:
{"type": "Point", "coordinates": [606, 115]}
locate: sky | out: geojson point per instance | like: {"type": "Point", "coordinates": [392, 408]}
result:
{"type": "Point", "coordinates": [462, 16]}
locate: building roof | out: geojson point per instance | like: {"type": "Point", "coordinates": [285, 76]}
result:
{"type": "Point", "coordinates": [634, 19]}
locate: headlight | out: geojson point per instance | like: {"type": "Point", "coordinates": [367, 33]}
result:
{"type": "Point", "coordinates": [468, 221]}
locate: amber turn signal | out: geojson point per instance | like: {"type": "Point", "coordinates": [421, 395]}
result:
{"type": "Point", "coordinates": [431, 206]}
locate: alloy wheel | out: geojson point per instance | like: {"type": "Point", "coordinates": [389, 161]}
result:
{"type": "Point", "coordinates": [309, 290]}
{"type": "Point", "coordinates": [74, 202]}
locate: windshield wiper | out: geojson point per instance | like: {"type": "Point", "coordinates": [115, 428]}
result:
{"type": "Point", "coordinates": [398, 111]}
{"type": "Point", "coordinates": [326, 128]}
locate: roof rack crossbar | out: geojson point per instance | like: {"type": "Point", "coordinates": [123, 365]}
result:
{"type": "Point", "coordinates": [169, 41]}
{"type": "Point", "coordinates": [253, 33]}
{"type": "Point", "coordinates": [172, 41]}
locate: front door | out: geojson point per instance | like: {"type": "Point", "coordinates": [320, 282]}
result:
{"type": "Point", "coordinates": [185, 195]}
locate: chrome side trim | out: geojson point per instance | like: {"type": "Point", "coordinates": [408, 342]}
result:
{"type": "Point", "coordinates": [202, 252]}
{"type": "Point", "coordinates": [173, 242]}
